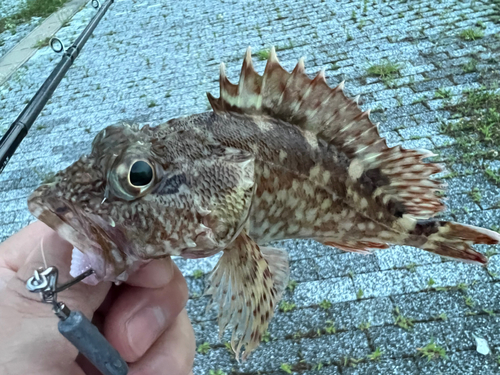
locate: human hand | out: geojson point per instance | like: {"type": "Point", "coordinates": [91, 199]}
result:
{"type": "Point", "coordinates": [144, 319]}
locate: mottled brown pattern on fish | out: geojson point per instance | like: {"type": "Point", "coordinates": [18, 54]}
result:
{"type": "Point", "coordinates": [286, 207]}
{"type": "Point", "coordinates": [285, 159]}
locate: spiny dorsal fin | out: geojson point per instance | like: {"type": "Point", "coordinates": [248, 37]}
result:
{"type": "Point", "coordinates": [313, 106]}
{"type": "Point", "coordinates": [295, 98]}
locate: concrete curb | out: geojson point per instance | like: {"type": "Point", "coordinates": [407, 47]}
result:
{"type": "Point", "coordinates": [18, 55]}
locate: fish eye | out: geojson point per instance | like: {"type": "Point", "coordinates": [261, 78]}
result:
{"type": "Point", "coordinates": [141, 173]}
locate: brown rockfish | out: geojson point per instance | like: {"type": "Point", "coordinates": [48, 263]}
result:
{"type": "Point", "coordinates": [280, 156]}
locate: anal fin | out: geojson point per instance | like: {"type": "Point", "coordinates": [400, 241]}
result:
{"type": "Point", "coordinates": [246, 285]}
{"type": "Point", "coordinates": [362, 247]}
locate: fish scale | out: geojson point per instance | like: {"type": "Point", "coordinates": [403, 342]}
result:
{"type": "Point", "coordinates": [281, 156]}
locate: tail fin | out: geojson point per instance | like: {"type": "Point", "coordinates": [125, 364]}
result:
{"type": "Point", "coordinates": [452, 240]}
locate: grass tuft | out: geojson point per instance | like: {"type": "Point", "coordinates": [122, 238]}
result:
{"type": "Point", "coordinates": [469, 301]}
{"type": "Point", "coordinates": [430, 282]}
{"type": "Point", "coordinates": [364, 326]}
{"type": "Point", "coordinates": [263, 54]}
{"type": "Point", "coordinates": [325, 304]}
{"type": "Point", "coordinates": [203, 348]}
{"type": "Point", "coordinates": [375, 356]}
{"type": "Point", "coordinates": [402, 321]}
{"type": "Point", "coordinates": [359, 293]}
{"type": "Point", "coordinates": [420, 99]}
{"type": "Point", "coordinates": [266, 337]}
{"type": "Point", "coordinates": [475, 195]}
{"type": "Point", "coordinates": [470, 66]}
{"type": "Point", "coordinates": [387, 71]}
{"type": "Point", "coordinates": [197, 274]}
{"type": "Point", "coordinates": [471, 34]}
{"type": "Point", "coordinates": [330, 327]}
{"type": "Point", "coordinates": [350, 361]}
{"type": "Point", "coordinates": [432, 351]}
{"type": "Point", "coordinates": [493, 175]}
{"type": "Point", "coordinates": [286, 306]}
{"type": "Point", "coordinates": [292, 284]}
{"type": "Point", "coordinates": [286, 367]}
{"type": "Point", "coordinates": [318, 366]}
{"type": "Point", "coordinates": [443, 93]}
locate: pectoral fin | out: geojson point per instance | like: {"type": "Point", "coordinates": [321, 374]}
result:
{"type": "Point", "coordinates": [224, 186]}
{"type": "Point", "coordinates": [246, 285]}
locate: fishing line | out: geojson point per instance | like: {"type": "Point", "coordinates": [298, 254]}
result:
{"type": "Point", "coordinates": [43, 253]}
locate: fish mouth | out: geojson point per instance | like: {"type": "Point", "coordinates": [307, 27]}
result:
{"type": "Point", "coordinates": [97, 245]}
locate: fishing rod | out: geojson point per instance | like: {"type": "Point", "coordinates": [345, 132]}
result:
{"type": "Point", "coordinates": [20, 127]}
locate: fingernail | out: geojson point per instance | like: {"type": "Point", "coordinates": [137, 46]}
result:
{"type": "Point", "coordinates": [144, 328]}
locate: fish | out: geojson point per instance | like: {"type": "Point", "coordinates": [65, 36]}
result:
{"type": "Point", "coordinates": [279, 156]}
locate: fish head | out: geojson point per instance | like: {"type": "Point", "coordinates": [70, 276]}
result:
{"type": "Point", "coordinates": [129, 201]}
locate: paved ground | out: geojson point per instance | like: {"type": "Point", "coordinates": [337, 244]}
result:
{"type": "Point", "coordinates": [153, 60]}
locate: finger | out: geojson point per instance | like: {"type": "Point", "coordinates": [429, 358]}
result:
{"type": "Point", "coordinates": [172, 354]}
{"type": "Point", "coordinates": [15, 249]}
{"type": "Point", "coordinates": [140, 315]}
{"type": "Point", "coordinates": [155, 274]}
